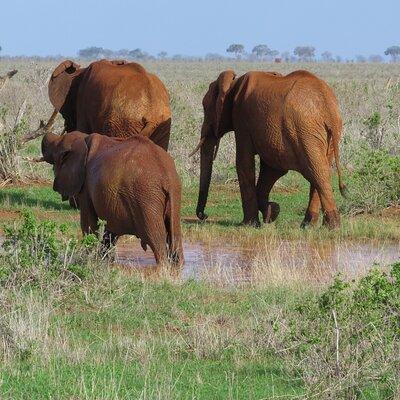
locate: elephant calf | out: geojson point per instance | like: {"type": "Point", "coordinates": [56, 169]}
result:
{"type": "Point", "coordinates": [132, 184]}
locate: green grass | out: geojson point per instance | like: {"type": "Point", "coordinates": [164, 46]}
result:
{"type": "Point", "coordinates": [225, 213]}
{"type": "Point", "coordinates": [129, 339]}
{"type": "Point", "coordinates": [107, 333]}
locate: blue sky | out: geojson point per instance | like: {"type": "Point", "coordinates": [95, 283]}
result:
{"type": "Point", "coordinates": [344, 27]}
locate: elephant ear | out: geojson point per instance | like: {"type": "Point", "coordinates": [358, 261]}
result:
{"type": "Point", "coordinates": [71, 169]}
{"type": "Point", "coordinates": [224, 82]}
{"type": "Point", "coordinates": [60, 83]}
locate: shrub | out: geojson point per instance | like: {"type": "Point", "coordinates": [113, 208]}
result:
{"type": "Point", "coordinates": [375, 183]}
{"type": "Point", "coordinates": [41, 253]}
{"type": "Point", "coordinates": [10, 169]}
{"type": "Point", "coordinates": [345, 342]}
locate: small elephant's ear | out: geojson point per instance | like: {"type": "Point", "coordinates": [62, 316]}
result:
{"type": "Point", "coordinates": [224, 82]}
{"type": "Point", "coordinates": [71, 172]}
{"type": "Point", "coordinates": [68, 66]}
{"type": "Point", "coordinates": [60, 83]}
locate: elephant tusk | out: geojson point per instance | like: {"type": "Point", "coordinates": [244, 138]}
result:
{"type": "Point", "coordinates": [216, 150]}
{"type": "Point", "coordinates": [198, 147]}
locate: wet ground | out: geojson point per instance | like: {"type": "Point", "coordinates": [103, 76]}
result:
{"type": "Point", "coordinates": [276, 261]}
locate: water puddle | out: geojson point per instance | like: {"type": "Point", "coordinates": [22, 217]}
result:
{"type": "Point", "coordinates": [277, 261]}
{"type": "Point", "coordinates": [274, 261]}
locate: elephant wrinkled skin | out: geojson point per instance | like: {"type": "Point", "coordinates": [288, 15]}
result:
{"type": "Point", "coordinates": [114, 98]}
{"type": "Point", "coordinates": [292, 122]}
{"type": "Point", "coordinates": [131, 183]}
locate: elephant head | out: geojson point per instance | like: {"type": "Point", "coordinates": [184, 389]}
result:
{"type": "Point", "coordinates": [67, 154]}
{"type": "Point", "coordinates": [217, 121]}
{"type": "Point", "coordinates": [63, 87]}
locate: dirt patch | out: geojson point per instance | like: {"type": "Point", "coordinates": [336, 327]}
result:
{"type": "Point", "coordinates": [9, 215]}
{"type": "Point", "coordinates": [24, 184]}
{"type": "Point", "coordinates": [393, 211]}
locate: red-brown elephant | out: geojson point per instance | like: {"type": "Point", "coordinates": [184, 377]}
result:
{"type": "Point", "coordinates": [132, 184]}
{"type": "Point", "coordinates": [292, 122]}
{"type": "Point", "coordinates": [113, 98]}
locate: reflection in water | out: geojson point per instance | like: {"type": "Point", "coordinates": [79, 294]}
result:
{"type": "Point", "coordinates": [277, 260]}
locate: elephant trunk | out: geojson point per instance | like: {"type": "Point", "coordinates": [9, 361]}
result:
{"type": "Point", "coordinates": [206, 164]}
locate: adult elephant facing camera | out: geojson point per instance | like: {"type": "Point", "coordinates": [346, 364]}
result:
{"type": "Point", "coordinates": [292, 122]}
{"type": "Point", "coordinates": [114, 98]}
{"type": "Point", "coordinates": [132, 184]}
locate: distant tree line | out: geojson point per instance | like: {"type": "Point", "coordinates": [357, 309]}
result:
{"type": "Point", "coordinates": [94, 52]}
{"type": "Point", "coordinates": [305, 54]}
{"type": "Point", "coordinates": [260, 52]}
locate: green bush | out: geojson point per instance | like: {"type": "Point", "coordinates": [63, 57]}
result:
{"type": "Point", "coordinates": [345, 342]}
{"type": "Point", "coordinates": [40, 253]}
{"type": "Point", "coordinates": [375, 182]}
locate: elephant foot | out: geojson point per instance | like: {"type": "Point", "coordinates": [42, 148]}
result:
{"type": "Point", "coordinates": [310, 219]}
{"type": "Point", "coordinates": [270, 214]}
{"type": "Point", "coordinates": [331, 219]}
{"type": "Point", "coordinates": [254, 222]}
{"type": "Point", "coordinates": [202, 216]}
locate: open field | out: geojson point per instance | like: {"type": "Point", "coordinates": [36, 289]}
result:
{"type": "Point", "coordinates": [259, 318]}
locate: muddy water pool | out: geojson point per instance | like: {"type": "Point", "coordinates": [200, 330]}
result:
{"type": "Point", "coordinates": [277, 260]}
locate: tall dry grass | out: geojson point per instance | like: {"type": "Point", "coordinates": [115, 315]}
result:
{"type": "Point", "coordinates": [369, 98]}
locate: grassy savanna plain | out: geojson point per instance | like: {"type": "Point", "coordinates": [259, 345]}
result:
{"type": "Point", "coordinates": [75, 326]}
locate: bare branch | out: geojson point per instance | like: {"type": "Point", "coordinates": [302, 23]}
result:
{"type": "Point", "coordinates": [11, 73]}
{"type": "Point", "coordinates": [42, 130]}
{"type": "Point", "coordinates": [4, 79]}
{"type": "Point", "coordinates": [337, 337]}
{"type": "Point", "coordinates": [20, 114]}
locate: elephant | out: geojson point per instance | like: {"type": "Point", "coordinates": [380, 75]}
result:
{"type": "Point", "coordinates": [132, 184]}
{"type": "Point", "coordinates": [115, 98]}
{"type": "Point", "coordinates": [292, 122]}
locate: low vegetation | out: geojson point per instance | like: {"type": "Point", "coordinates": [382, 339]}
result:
{"type": "Point", "coordinates": [73, 326]}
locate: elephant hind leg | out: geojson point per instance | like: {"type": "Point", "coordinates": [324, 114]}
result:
{"type": "Point", "coordinates": [154, 234]}
{"type": "Point", "coordinates": [314, 206]}
{"type": "Point", "coordinates": [245, 168]}
{"type": "Point", "coordinates": [266, 180]}
{"type": "Point", "coordinates": [319, 175]}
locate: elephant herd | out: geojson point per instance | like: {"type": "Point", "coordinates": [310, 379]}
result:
{"type": "Point", "coordinates": [112, 161]}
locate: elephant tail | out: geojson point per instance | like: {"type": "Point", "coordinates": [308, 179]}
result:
{"type": "Point", "coordinates": [173, 227]}
{"type": "Point", "coordinates": [335, 136]}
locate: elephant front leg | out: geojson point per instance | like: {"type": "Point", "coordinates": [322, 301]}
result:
{"type": "Point", "coordinates": [109, 240]}
{"type": "Point", "coordinates": [266, 180]}
{"type": "Point", "coordinates": [88, 217]}
{"type": "Point", "coordinates": [245, 167]}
